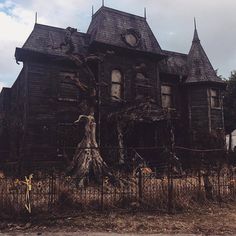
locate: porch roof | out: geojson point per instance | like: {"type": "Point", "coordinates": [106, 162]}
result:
{"type": "Point", "coordinates": [146, 111]}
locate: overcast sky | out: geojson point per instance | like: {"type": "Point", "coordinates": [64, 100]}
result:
{"type": "Point", "coordinates": [170, 20]}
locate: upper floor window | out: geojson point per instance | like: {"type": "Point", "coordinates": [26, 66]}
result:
{"type": "Point", "coordinates": [68, 91]}
{"type": "Point", "coordinates": [116, 85]}
{"type": "Point", "coordinates": [143, 88]}
{"type": "Point", "coordinates": [167, 96]}
{"type": "Point", "coordinates": [215, 98]}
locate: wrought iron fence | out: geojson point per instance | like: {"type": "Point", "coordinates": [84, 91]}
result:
{"type": "Point", "coordinates": [141, 190]}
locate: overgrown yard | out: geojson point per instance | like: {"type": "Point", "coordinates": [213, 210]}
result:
{"type": "Point", "coordinates": [210, 219]}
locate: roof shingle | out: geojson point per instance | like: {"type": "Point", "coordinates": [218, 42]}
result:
{"type": "Point", "coordinates": [108, 25]}
{"type": "Point", "coordinates": [48, 39]}
{"type": "Point", "coordinates": [199, 67]}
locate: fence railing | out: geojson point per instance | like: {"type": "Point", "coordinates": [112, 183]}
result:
{"type": "Point", "coordinates": [166, 192]}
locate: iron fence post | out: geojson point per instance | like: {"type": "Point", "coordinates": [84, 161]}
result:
{"type": "Point", "coordinates": [219, 186]}
{"type": "Point", "coordinates": [170, 188]}
{"type": "Point", "coordinates": [140, 186]}
{"type": "Point", "coordinates": [102, 192]}
{"type": "Point", "coordinates": [199, 184]}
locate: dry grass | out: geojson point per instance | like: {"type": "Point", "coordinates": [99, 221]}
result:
{"type": "Point", "coordinates": [206, 220]}
{"type": "Point", "coordinates": [151, 193]}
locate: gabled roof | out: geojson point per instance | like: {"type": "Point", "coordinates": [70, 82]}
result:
{"type": "Point", "coordinates": [200, 69]}
{"type": "Point", "coordinates": [108, 25]}
{"type": "Point", "coordinates": [47, 39]}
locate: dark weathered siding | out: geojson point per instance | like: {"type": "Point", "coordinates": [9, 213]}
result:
{"type": "Point", "coordinates": [4, 123]}
{"type": "Point", "coordinates": [217, 119]}
{"type": "Point", "coordinates": [53, 106]}
{"type": "Point", "coordinates": [198, 108]}
{"type": "Point", "coordinates": [18, 115]}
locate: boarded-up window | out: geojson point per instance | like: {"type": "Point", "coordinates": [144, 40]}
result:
{"type": "Point", "coordinates": [215, 98]}
{"type": "Point", "coordinates": [143, 88]}
{"type": "Point", "coordinates": [116, 85]}
{"type": "Point", "coordinates": [167, 96]}
{"type": "Point", "coordinates": [67, 88]}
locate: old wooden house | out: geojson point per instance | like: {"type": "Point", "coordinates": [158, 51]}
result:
{"type": "Point", "coordinates": [140, 89]}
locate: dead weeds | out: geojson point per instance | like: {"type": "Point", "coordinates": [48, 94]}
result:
{"type": "Point", "coordinates": [201, 220]}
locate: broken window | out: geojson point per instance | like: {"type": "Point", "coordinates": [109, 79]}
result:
{"type": "Point", "coordinates": [143, 88]}
{"type": "Point", "coordinates": [167, 96]}
{"type": "Point", "coordinates": [215, 98]}
{"type": "Point", "coordinates": [68, 91]}
{"type": "Point", "coordinates": [116, 85]}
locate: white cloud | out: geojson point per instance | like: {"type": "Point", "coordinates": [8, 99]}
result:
{"type": "Point", "coordinates": [170, 20]}
{"type": "Point", "coordinates": [1, 86]}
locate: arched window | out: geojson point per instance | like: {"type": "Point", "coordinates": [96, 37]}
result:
{"type": "Point", "coordinates": [116, 85]}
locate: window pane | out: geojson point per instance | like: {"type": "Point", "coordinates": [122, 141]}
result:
{"type": "Point", "coordinates": [67, 88]}
{"type": "Point", "coordinates": [215, 98]}
{"type": "Point", "coordinates": [166, 101]}
{"type": "Point", "coordinates": [116, 91]}
{"type": "Point", "coordinates": [214, 93]}
{"type": "Point", "coordinates": [215, 102]}
{"type": "Point", "coordinates": [165, 89]}
{"type": "Point", "coordinates": [116, 76]}
{"type": "Point", "coordinates": [140, 76]}
{"type": "Point", "coordinates": [166, 95]}
{"type": "Point", "coordinates": [131, 39]}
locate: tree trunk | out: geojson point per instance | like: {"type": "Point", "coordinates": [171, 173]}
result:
{"type": "Point", "coordinates": [230, 141]}
{"type": "Point", "coordinates": [87, 164]}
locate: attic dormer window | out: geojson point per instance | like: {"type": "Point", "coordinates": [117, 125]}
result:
{"type": "Point", "coordinates": [131, 37]}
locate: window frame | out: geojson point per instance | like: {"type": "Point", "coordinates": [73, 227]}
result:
{"type": "Point", "coordinates": [65, 78]}
{"type": "Point", "coordinates": [120, 84]}
{"type": "Point", "coordinates": [217, 98]}
{"type": "Point", "coordinates": [143, 84]}
{"type": "Point", "coordinates": [171, 95]}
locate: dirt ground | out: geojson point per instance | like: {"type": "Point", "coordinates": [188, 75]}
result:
{"type": "Point", "coordinates": [203, 220]}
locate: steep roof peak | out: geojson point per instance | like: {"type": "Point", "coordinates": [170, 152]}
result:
{"type": "Point", "coordinates": [200, 69]}
{"type": "Point", "coordinates": [195, 35]}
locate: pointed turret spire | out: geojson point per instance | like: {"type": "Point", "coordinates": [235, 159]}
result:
{"type": "Point", "coordinates": [199, 66]}
{"type": "Point", "coordinates": [195, 36]}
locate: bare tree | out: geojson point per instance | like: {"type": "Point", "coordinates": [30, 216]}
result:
{"type": "Point", "coordinates": [87, 163]}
